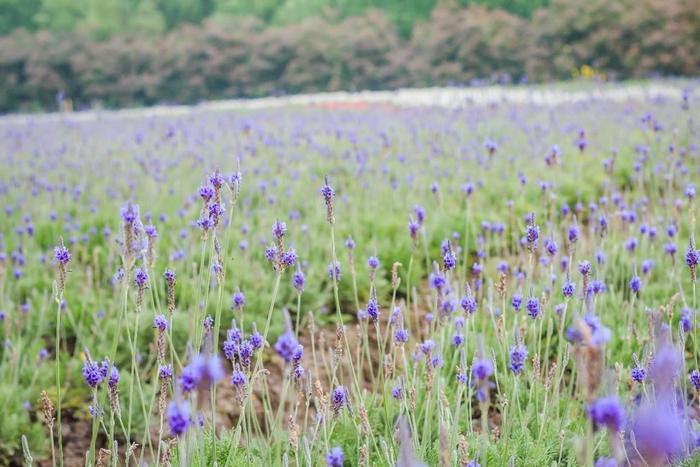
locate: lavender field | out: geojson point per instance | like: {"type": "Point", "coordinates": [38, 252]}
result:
{"type": "Point", "coordinates": [358, 282]}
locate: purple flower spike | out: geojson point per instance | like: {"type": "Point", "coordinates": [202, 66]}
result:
{"type": "Point", "coordinates": [694, 378]}
{"type": "Point", "coordinates": [62, 255]}
{"type": "Point", "coordinates": [92, 374]}
{"type": "Point", "coordinates": [607, 412]}
{"type": "Point", "coordinates": [335, 457]}
{"type": "Point", "coordinates": [518, 357]}
{"type": "Point", "coordinates": [482, 369]}
{"type": "Point", "coordinates": [160, 322]}
{"type": "Point", "coordinates": [179, 419]}
{"type": "Point", "coordinates": [141, 278]}
{"type": "Point", "coordinates": [279, 230]}
{"type": "Point", "coordinates": [533, 307]}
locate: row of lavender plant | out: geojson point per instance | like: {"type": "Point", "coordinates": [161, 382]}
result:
{"type": "Point", "coordinates": [562, 335]}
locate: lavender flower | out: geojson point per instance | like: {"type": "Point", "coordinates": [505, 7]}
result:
{"type": "Point", "coordinates": [533, 307]}
{"type": "Point", "coordinates": [160, 322]}
{"type": "Point", "coordinates": [518, 357]}
{"type": "Point", "coordinates": [279, 230]}
{"type": "Point", "coordinates": [603, 223]}
{"type": "Point", "coordinates": [532, 234]}
{"type": "Point", "coordinates": [607, 412]}
{"type": "Point", "coordinates": [298, 281]}
{"type": "Point", "coordinates": [690, 191]}
{"type": "Point", "coordinates": [420, 214]}
{"type": "Point", "coordinates": [335, 457]}
{"type": "Point", "coordinates": [469, 304]}
{"type": "Point", "coordinates": [328, 194]}
{"type": "Point", "coordinates": [437, 281]}
{"type": "Point", "coordinates": [373, 262]}
{"type": "Point", "coordinates": [427, 346]}
{"type": "Point", "coordinates": [692, 256]}
{"type": "Point", "coordinates": [334, 271]}
{"type": "Point", "coordinates": [141, 278]}
{"type": "Point", "coordinates": [413, 228]}
{"type": "Point", "coordinates": [401, 336]}
{"type": "Point", "coordinates": [635, 284]}
{"type": "Point", "coordinates": [129, 214]}
{"type": "Point", "coordinates": [449, 260]}
{"type": "Point", "coordinates": [573, 233]}
{"type": "Point", "coordinates": [179, 419]}
{"type": "Point", "coordinates": [206, 192]}
{"type": "Point", "coordinates": [151, 231]}
{"type": "Point", "coordinates": [482, 369]}
{"type": "Point", "coordinates": [289, 258]}
{"type": "Point", "coordinates": [350, 243]}
{"type": "Point", "coordinates": [286, 345]}
{"type": "Point", "coordinates": [165, 372]}
{"type": "Point", "coordinates": [665, 368]}
{"type": "Point", "coordinates": [114, 376]}
{"type": "Point", "coordinates": [92, 373]}
{"type": "Point", "coordinates": [395, 315]}
{"type": "Point", "coordinates": [203, 371]}
{"type": "Point", "coordinates": [600, 257]}
{"type": "Point", "coordinates": [256, 339]}
{"type": "Point", "coordinates": [169, 276]}
{"type": "Point", "coordinates": [550, 246]}
{"type": "Point", "coordinates": [686, 319]}
{"type": "Point", "coordinates": [62, 255]}
{"type": "Point", "coordinates": [639, 374]}
{"type": "Point", "coordinates": [661, 431]}
{"type": "Point", "coordinates": [373, 309]}
{"type": "Point", "coordinates": [238, 378]}
{"type": "Point", "coordinates": [584, 267]}
{"type": "Point", "coordinates": [670, 249]}
{"type": "Point", "coordinates": [516, 302]}
{"type": "Point", "coordinates": [568, 289]}
{"type": "Point", "coordinates": [238, 300]}
{"type": "Point", "coordinates": [339, 399]}
{"type": "Point", "coordinates": [245, 352]}
{"type": "Point", "coordinates": [694, 378]}
{"type": "Point", "coordinates": [271, 254]}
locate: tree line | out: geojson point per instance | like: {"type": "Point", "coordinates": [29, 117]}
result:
{"type": "Point", "coordinates": [104, 18]}
{"type": "Point", "coordinates": [230, 56]}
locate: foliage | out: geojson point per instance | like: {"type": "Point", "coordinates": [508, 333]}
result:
{"type": "Point", "coordinates": [67, 15]}
{"type": "Point", "coordinates": [225, 58]}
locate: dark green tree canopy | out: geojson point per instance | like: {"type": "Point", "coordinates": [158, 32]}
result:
{"type": "Point", "coordinates": [104, 18]}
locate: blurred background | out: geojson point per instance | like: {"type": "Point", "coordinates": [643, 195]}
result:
{"type": "Point", "coordinates": [76, 54]}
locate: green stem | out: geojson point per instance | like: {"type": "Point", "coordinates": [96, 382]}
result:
{"type": "Point", "coordinates": [58, 380]}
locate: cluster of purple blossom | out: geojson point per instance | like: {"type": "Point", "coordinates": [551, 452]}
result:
{"type": "Point", "coordinates": [496, 301]}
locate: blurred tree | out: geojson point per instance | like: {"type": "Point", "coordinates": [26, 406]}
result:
{"type": "Point", "coordinates": [104, 18]}
{"type": "Point", "coordinates": [405, 14]}
{"type": "Point", "coordinates": [524, 8]}
{"type": "Point", "coordinates": [147, 20]}
{"type": "Point", "coordinates": [16, 14]}
{"type": "Point", "coordinates": [185, 11]}
{"type": "Point", "coordinates": [236, 57]}
{"type": "Point", "coordinates": [262, 9]}
{"type": "Point", "coordinates": [60, 15]}
{"type": "Point", "coordinates": [295, 11]}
